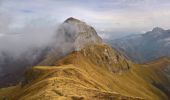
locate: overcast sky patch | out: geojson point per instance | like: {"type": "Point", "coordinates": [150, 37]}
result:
{"type": "Point", "coordinates": [109, 15]}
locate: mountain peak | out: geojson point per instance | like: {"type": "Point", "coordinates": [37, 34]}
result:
{"type": "Point", "coordinates": [72, 35]}
{"type": "Point", "coordinates": [157, 29]}
{"type": "Point", "coordinates": [78, 34]}
{"type": "Point", "coordinates": [71, 19]}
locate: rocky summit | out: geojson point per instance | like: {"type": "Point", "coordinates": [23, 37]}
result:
{"type": "Point", "coordinates": [78, 34]}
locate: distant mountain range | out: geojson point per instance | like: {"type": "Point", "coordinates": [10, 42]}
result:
{"type": "Point", "coordinates": [146, 47]}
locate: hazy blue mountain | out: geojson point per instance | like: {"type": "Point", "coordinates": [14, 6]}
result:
{"type": "Point", "coordinates": [144, 47]}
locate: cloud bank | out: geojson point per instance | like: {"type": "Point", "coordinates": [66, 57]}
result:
{"type": "Point", "coordinates": [31, 21]}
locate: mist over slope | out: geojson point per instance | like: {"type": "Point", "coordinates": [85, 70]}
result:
{"type": "Point", "coordinates": [73, 36]}
{"type": "Point", "coordinates": [144, 47]}
{"type": "Point", "coordinates": [90, 70]}
{"type": "Point", "coordinates": [25, 48]}
{"type": "Point", "coordinates": [22, 49]}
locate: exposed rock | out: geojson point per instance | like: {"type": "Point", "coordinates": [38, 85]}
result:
{"type": "Point", "coordinates": [78, 34]}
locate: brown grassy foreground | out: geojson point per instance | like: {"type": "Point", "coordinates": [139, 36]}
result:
{"type": "Point", "coordinates": [95, 73]}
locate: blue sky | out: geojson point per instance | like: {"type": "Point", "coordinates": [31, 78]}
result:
{"type": "Point", "coordinates": [109, 17]}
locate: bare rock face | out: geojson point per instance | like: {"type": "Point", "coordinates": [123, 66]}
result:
{"type": "Point", "coordinates": [77, 34]}
{"type": "Point", "coordinates": [106, 57]}
{"type": "Point", "coordinates": [72, 35]}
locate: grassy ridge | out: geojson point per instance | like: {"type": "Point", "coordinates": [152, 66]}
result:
{"type": "Point", "coordinates": [94, 73]}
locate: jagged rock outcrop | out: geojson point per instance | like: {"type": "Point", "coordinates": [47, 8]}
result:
{"type": "Point", "coordinates": [72, 35]}
{"type": "Point", "coordinates": [83, 35]}
{"type": "Point", "coordinates": [100, 55]}
{"type": "Point", "coordinates": [77, 34]}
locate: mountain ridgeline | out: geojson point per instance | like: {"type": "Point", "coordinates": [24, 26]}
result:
{"type": "Point", "coordinates": [79, 66]}
{"type": "Point", "coordinates": [142, 48]}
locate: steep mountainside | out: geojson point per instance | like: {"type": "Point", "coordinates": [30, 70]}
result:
{"type": "Point", "coordinates": [73, 35]}
{"type": "Point", "coordinates": [87, 75]}
{"type": "Point", "coordinates": [145, 47]}
{"type": "Point", "coordinates": [72, 31]}
{"type": "Point", "coordinates": [91, 71]}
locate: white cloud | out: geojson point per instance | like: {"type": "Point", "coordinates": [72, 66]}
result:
{"type": "Point", "coordinates": [27, 23]}
{"type": "Point", "coordinates": [1, 35]}
{"type": "Point", "coordinates": [110, 15]}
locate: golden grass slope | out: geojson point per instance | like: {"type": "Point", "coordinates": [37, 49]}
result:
{"type": "Point", "coordinates": [61, 83]}
{"type": "Point", "coordinates": [95, 73]}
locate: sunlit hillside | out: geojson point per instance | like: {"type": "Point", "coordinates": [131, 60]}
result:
{"type": "Point", "coordinates": [86, 75]}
